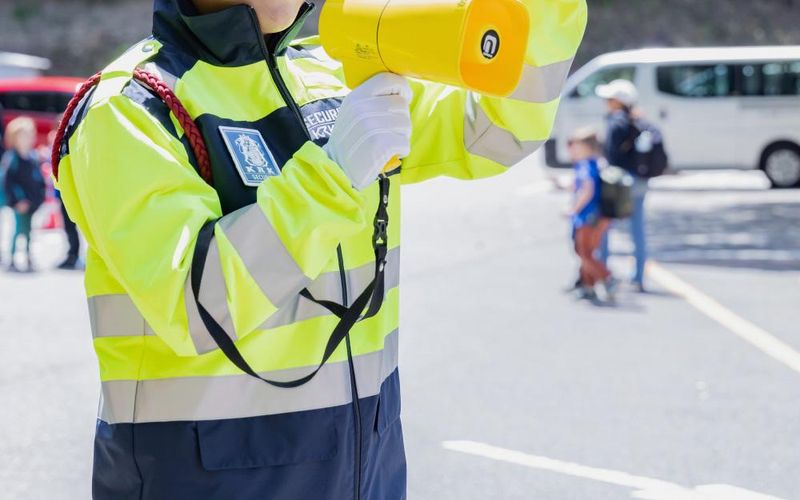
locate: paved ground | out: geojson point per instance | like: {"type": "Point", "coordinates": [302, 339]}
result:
{"type": "Point", "coordinates": [512, 389]}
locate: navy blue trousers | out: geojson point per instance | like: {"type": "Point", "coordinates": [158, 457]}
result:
{"type": "Point", "coordinates": [298, 456]}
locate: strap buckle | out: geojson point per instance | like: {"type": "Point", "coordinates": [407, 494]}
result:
{"type": "Point", "coordinates": [380, 237]}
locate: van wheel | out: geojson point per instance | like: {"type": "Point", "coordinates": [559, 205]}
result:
{"type": "Point", "coordinates": [781, 163]}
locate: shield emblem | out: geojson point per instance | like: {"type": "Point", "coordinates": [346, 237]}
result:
{"type": "Point", "coordinates": [250, 154]}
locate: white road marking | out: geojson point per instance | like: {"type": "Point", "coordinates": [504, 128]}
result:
{"type": "Point", "coordinates": [646, 488]}
{"type": "Point", "coordinates": [742, 328]}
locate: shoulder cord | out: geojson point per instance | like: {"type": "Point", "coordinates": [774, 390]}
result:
{"type": "Point", "coordinates": [372, 295]}
{"type": "Point", "coordinates": [164, 93]}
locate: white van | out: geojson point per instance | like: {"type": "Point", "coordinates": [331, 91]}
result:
{"type": "Point", "coordinates": [21, 65]}
{"type": "Point", "coordinates": [735, 107]}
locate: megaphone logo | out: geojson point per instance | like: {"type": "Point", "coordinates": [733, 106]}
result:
{"type": "Point", "coordinates": [490, 44]}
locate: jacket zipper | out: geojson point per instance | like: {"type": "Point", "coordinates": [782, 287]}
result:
{"type": "Point", "coordinates": [272, 65]}
{"type": "Point", "coordinates": [353, 386]}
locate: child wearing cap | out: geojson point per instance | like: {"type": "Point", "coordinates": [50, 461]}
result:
{"type": "Point", "coordinates": [588, 223]}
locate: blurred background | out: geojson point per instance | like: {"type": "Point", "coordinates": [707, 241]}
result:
{"type": "Point", "coordinates": [81, 44]}
{"type": "Point", "coordinates": [513, 388]}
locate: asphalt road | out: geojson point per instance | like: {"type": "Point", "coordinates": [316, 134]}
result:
{"type": "Point", "coordinates": [512, 388]}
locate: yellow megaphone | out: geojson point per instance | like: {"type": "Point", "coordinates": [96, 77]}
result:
{"type": "Point", "coordinates": [475, 44]}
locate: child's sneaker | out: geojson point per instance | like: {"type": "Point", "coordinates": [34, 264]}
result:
{"type": "Point", "coordinates": [610, 286]}
{"type": "Point", "coordinates": [587, 293]}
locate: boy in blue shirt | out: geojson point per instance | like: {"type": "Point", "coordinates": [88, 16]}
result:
{"type": "Point", "coordinates": [588, 223]}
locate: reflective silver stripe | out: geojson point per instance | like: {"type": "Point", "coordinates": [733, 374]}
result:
{"type": "Point", "coordinates": [329, 287]}
{"type": "Point", "coordinates": [165, 76]}
{"type": "Point", "coordinates": [485, 139]}
{"type": "Point", "coordinates": [360, 277]}
{"type": "Point", "coordinates": [117, 316]}
{"type": "Point", "coordinates": [213, 296]}
{"type": "Point", "coordinates": [542, 84]}
{"type": "Point", "coordinates": [116, 401]}
{"type": "Point", "coordinates": [264, 254]}
{"type": "Point", "coordinates": [267, 260]}
{"type": "Point", "coordinates": [241, 396]}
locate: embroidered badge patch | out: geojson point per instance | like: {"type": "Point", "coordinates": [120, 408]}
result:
{"type": "Point", "coordinates": [320, 123]}
{"type": "Point", "coordinates": [250, 154]}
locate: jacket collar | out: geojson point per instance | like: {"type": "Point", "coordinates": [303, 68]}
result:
{"type": "Point", "coordinates": [229, 37]}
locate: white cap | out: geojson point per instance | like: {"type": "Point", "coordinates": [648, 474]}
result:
{"type": "Point", "coordinates": [620, 90]}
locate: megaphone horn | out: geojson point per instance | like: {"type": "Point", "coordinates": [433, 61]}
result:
{"type": "Point", "coordinates": [475, 44]}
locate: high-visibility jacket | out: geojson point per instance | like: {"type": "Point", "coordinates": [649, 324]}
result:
{"type": "Point", "coordinates": [177, 419]}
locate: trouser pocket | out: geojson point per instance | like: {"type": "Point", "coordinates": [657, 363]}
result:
{"type": "Point", "coordinates": [268, 441]}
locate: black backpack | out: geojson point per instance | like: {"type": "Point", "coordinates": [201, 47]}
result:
{"type": "Point", "coordinates": [616, 197]}
{"type": "Point", "coordinates": [651, 155]}
{"type": "Point", "coordinates": [652, 160]}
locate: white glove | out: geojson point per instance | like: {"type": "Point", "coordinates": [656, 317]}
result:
{"type": "Point", "coordinates": [374, 126]}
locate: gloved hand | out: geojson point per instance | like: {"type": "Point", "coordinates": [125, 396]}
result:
{"type": "Point", "coordinates": [374, 125]}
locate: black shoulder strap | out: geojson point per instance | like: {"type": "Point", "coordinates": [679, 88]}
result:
{"type": "Point", "coordinates": [633, 134]}
{"type": "Point", "coordinates": [380, 243]}
{"type": "Point", "coordinates": [348, 316]}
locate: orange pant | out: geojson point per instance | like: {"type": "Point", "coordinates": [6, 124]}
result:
{"type": "Point", "coordinates": [587, 241]}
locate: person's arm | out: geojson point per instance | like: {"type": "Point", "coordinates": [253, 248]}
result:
{"type": "Point", "coordinates": [464, 135]}
{"type": "Point", "coordinates": [617, 135]}
{"type": "Point", "coordinates": [129, 185]}
{"type": "Point", "coordinates": [10, 163]}
{"type": "Point", "coordinates": [583, 197]}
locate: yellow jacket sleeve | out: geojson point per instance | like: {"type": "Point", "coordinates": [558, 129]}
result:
{"type": "Point", "coordinates": [130, 187]}
{"type": "Point", "coordinates": [460, 134]}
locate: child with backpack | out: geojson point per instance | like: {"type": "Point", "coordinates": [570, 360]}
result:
{"type": "Point", "coordinates": [24, 184]}
{"type": "Point", "coordinates": [588, 222]}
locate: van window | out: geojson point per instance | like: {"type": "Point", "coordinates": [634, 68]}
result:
{"type": "Point", "coordinates": [704, 80]}
{"type": "Point", "coordinates": [770, 79]}
{"type": "Point", "coordinates": [43, 102]}
{"type": "Point", "coordinates": [606, 75]}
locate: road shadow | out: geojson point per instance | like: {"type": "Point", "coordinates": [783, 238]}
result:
{"type": "Point", "coordinates": [764, 235]}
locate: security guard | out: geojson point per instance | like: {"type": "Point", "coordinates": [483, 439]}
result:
{"type": "Point", "coordinates": [198, 287]}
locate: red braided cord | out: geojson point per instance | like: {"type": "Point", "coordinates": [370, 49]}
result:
{"type": "Point", "coordinates": [193, 134]}
{"type": "Point", "coordinates": [85, 87]}
{"type": "Point", "coordinates": [169, 98]}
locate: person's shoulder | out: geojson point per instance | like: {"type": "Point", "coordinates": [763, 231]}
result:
{"type": "Point", "coordinates": [619, 117]}
{"type": "Point", "coordinates": [309, 57]}
{"type": "Point", "coordinates": [116, 85]}
{"type": "Point", "coordinates": [594, 166]}
{"type": "Point", "coordinates": [307, 48]}
{"type": "Point", "coordinates": [9, 159]}
{"type": "Point", "coordinates": [583, 167]}
{"type": "Point", "coordinates": [591, 166]}
{"type": "Point", "coordinates": [116, 76]}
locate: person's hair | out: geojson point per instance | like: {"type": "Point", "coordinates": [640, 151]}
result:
{"type": "Point", "coordinates": [17, 127]}
{"type": "Point", "coordinates": [587, 136]}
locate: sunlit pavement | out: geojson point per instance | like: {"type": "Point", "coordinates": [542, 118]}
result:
{"type": "Point", "coordinates": [512, 389]}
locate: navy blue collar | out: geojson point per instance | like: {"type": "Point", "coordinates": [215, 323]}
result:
{"type": "Point", "coordinates": [229, 37]}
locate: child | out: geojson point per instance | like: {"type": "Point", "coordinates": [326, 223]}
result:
{"type": "Point", "coordinates": [2, 198]}
{"type": "Point", "coordinates": [24, 185]}
{"type": "Point", "coordinates": [588, 223]}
